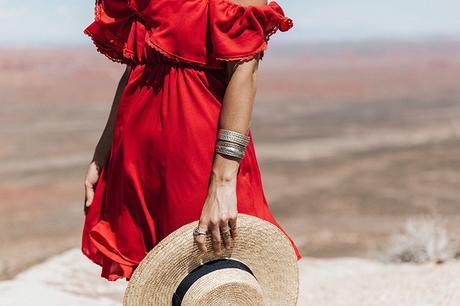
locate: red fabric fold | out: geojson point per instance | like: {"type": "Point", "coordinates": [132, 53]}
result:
{"type": "Point", "coordinates": [241, 32]}
{"type": "Point", "coordinates": [118, 31]}
{"type": "Point", "coordinates": [117, 249]}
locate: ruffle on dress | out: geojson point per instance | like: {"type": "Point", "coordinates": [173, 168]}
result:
{"type": "Point", "coordinates": [118, 31]}
{"type": "Point", "coordinates": [203, 33]}
{"type": "Point", "coordinates": [240, 32]}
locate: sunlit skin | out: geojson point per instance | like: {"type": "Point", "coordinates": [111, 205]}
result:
{"type": "Point", "coordinates": [219, 211]}
{"type": "Point", "coordinates": [220, 208]}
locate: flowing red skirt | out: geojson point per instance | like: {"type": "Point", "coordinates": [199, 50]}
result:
{"type": "Point", "coordinates": [156, 178]}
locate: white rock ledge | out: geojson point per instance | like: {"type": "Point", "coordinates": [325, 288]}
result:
{"type": "Point", "coordinates": [71, 279]}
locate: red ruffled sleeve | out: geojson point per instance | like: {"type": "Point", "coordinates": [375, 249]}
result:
{"type": "Point", "coordinates": [202, 33]}
{"type": "Point", "coordinates": [241, 32]}
{"type": "Point", "coordinates": [118, 31]}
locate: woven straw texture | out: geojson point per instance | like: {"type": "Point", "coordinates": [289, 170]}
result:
{"type": "Point", "coordinates": [260, 245]}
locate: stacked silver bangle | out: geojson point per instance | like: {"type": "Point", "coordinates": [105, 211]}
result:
{"type": "Point", "coordinates": [231, 143]}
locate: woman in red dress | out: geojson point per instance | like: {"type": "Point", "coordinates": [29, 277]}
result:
{"type": "Point", "coordinates": [191, 68]}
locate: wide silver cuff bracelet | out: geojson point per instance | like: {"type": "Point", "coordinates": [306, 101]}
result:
{"type": "Point", "coordinates": [230, 149]}
{"type": "Point", "coordinates": [233, 136]}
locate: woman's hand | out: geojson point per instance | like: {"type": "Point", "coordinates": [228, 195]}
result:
{"type": "Point", "coordinates": [219, 212]}
{"type": "Point", "coordinates": [92, 176]}
{"type": "Point", "coordinates": [100, 157]}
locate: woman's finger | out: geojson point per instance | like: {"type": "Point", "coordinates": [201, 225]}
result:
{"type": "Point", "coordinates": [226, 234]}
{"type": "Point", "coordinates": [85, 206]}
{"type": "Point", "coordinates": [200, 236]}
{"type": "Point", "coordinates": [233, 229]}
{"type": "Point", "coordinates": [89, 194]}
{"type": "Point", "coordinates": [216, 238]}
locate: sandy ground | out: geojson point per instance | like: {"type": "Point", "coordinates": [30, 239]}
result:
{"type": "Point", "coordinates": [352, 140]}
{"type": "Point", "coordinates": [71, 279]}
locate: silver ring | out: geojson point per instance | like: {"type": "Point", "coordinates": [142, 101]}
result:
{"type": "Point", "coordinates": [197, 232]}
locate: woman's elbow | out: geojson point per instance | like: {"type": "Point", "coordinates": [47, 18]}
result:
{"type": "Point", "coordinates": [246, 73]}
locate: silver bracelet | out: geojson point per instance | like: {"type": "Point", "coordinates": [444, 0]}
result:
{"type": "Point", "coordinates": [233, 136]}
{"type": "Point", "coordinates": [227, 144]}
{"type": "Point", "coordinates": [231, 149]}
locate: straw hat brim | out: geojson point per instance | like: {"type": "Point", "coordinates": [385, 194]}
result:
{"type": "Point", "coordinates": [262, 246]}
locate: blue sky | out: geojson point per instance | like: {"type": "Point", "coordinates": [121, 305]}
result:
{"type": "Point", "coordinates": [62, 22]}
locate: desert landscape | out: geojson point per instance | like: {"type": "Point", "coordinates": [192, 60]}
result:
{"type": "Point", "coordinates": [354, 140]}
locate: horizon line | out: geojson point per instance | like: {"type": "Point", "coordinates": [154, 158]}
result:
{"type": "Point", "coordinates": [411, 39]}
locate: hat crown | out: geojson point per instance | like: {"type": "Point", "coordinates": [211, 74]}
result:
{"type": "Point", "coordinates": [229, 286]}
{"type": "Point", "coordinates": [212, 278]}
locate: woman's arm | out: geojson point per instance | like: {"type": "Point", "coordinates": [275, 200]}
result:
{"type": "Point", "coordinates": [236, 112]}
{"type": "Point", "coordinates": [102, 151]}
{"type": "Point", "coordinates": [220, 208]}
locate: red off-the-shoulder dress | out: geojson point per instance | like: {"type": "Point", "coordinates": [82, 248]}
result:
{"type": "Point", "coordinates": [156, 178]}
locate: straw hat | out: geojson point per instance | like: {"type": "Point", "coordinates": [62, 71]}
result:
{"type": "Point", "coordinates": [260, 269]}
